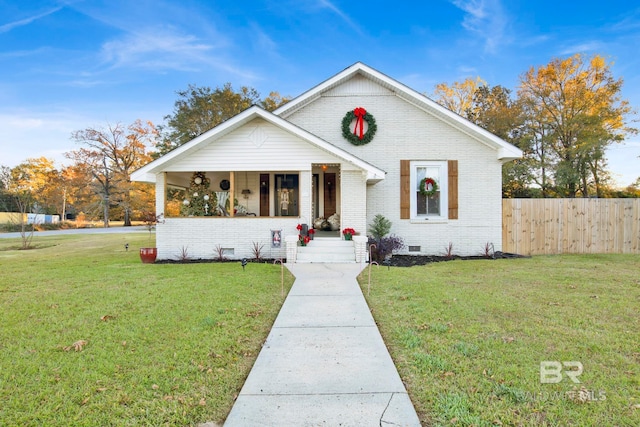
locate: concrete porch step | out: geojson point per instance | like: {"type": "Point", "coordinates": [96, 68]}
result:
{"type": "Point", "coordinates": [327, 250]}
{"type": "Point", "coordinates": [330, 241]}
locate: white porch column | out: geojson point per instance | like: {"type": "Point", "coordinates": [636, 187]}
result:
{"type": "Point", "coordinates": [161, 193]}
{"type": "Point", "coordinates": [306, 215]}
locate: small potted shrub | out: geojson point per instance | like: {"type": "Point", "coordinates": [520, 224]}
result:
{"type": "Point", "coordinates": [148, 255]}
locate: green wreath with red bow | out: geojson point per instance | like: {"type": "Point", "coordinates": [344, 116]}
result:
{"type": "Point", "coordinates": [424, 187]}
{"type": "Point", "coordinates": [359, 136]}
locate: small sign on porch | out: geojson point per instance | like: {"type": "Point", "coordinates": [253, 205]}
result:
{"type": "Point", "coordinates": [276, 238]}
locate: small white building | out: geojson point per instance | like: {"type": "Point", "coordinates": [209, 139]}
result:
{"type": "Point", "coordinates": [358, 144]}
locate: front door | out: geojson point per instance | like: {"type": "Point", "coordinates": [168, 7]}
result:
{"type": "Point", "coordinates": [330, 203]}
{"type": "Point", "coordinates": [264, 194]}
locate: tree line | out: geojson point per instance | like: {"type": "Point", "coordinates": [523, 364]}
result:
{"type": "Point", "coordinates": [98, 180]}
{"type": "Point", "coordinates": [564, 115]}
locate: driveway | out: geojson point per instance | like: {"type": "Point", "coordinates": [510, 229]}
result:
{"type": "Point", "coordinates": [110, 230]}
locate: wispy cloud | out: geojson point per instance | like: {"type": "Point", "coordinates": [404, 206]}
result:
{"type": "Point", "coordinates": [587, 46]}
{"type": "Point", "coordinates": [26, 21]}
{"type": "Point", "coordinates": [467, 70]}
{"type": "Point", "coordinates": [143, 40]}
{"type": "Point", "coordinates": [33, 132]}
{"type": "Point", "coordinates": [23, 53]}
{"type": "Point", "coordinates": [328, 5]}
{"type": "Point", "coordinates": [263, 43]}
{"type": "Point", "coordinates": [167, 49]}
{"type": "Point", "coordinates": [486, 19]}
{"type": "Point", "coordinates": [159, 49]}
{"type": "Point", "coordinates": [629, 22]}
{"type": "Point", "coordinates": [535, 40]}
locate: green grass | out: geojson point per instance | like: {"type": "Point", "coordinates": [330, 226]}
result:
{"type": "Point", "coordinates": [165, 344]}
{"type": "Point", "coordinates": [468, 338]}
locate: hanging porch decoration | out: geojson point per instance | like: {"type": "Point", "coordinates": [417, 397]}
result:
{"type": "Point", "coordinates": [358, 136]}
{"type": "Point", "coordinates": [428, 187]}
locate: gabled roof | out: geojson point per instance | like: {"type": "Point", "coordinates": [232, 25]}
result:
{"type": "Point", "coordinates": [505, 151]}
{"type": "Point", "coordinates": [148, 172]}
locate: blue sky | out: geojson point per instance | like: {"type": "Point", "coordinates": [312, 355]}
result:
{"type": "Point", "coordinates": [68, 65]}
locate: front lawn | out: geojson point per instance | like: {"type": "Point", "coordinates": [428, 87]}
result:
{"type": "Point", "coordinates": [90, 336]}
{"type": "Point", "coordinates": [172, 344]}
{"type": "Point", "coordinates": [468, 338]}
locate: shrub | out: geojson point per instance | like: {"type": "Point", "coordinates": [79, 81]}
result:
{"type": "Point", "coordinates": [379, 227]}
{"type": "Point", "coordinates": [384, 245]}
{"type": "Point", "coordinates": [219, 253]}
{"type": "Point", "coordinates": [448, 251]}
{"type": "Point", "coordinates": [183, 255]}
{"type": "Point", "coordinates": [256, 249]}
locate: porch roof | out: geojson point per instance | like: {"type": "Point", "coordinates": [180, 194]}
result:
{"type": "Point", "coordinates": [148, 172]}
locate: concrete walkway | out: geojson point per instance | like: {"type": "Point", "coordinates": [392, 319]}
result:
{"type": "Point", "coordinates": [324, 362]}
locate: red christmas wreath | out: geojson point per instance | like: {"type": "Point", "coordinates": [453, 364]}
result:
{"type": "Point", "coordinates": [425, 184]}
{"type": "Point", "coordinates": [358, 136]}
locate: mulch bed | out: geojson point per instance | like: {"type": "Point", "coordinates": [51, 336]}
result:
{"type": "Point", "coordinates": [395, 261]}
{"type": "Point", "coordinates": [411, 260]}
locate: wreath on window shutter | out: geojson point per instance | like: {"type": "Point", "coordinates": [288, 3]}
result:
{"type": "Point", "coordinates": [405, 189]}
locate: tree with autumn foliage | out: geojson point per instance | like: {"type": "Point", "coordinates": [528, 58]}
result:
{"type": "Point", "coordinates": [30, 187]}
{"type": "Point", "coordinates": [574, 112]}
{"type": "Point", "coordinates": [41, 180]}
{"type": "Point", "coordinates": [109, 156]}
{"type": "Point", "coordinates": [458, 96]}
{"type": "Point", "coordinates": [493, 109]}
{"type": "Point", "coordinates": [198, 109]}
{"type": "Point", "coordinates": [566, 114]}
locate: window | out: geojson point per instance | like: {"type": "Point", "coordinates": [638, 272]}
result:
{"type": "Point", "coordinates": [429, 206]}
{"type": "Point", "coordinates": [446, 202]}
{"type": "Point", "coordinates": [286, 194]}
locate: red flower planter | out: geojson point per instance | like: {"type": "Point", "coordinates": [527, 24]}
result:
{"type": "Point", "coordinates": [148, 255]}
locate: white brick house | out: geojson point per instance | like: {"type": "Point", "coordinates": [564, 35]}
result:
{"type": "Point", "coordinates": [299, 149]}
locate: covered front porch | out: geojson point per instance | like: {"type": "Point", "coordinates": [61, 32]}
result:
{"type": "Point", "coordinates": [238, 214]}
{"type": "Point", "coordinates": [254, 193]}
{"type": "Point", "coordinates": [248, 183]}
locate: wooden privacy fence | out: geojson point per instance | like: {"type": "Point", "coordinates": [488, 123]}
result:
{"type": "Point", "coordinates": [556, 226]}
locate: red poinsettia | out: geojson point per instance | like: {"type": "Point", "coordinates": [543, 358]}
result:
{"type": "Point", "coordinates": [304, 240]}
{"type": "Point", "coordinates": [350, 231]}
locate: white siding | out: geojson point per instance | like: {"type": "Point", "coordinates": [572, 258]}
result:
{"type": "Point", "coordinates": [257, 146]}
{"type": "Point", "coordinates": [354, 199]}
{"type": "Point", "coordinates": [407, 132]}
{"type": "Point", "coordinates": [358, 86]}
{"type": "Point", "coordinates": [200, 236]}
